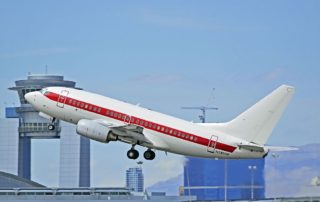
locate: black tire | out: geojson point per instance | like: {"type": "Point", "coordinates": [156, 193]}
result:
{"type": "Point", "coordinates": [51, 127]}
{"type": "Point", "coordinates": [149, 155]}
{"type": "Point", "coordinates": [133, 154]}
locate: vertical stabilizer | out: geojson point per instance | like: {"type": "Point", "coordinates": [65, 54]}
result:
{"type": "Point", "coordinates": [257, 123]}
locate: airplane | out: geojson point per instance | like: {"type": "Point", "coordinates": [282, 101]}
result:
{"type": "Point", "coordinates": [105, 119]}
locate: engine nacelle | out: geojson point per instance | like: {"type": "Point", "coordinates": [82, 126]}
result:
{"type": "Point", "coordinates": [95, 131]}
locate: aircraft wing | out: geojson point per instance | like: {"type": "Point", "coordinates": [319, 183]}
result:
{"type": "Point", "coordinates": [128, 133]}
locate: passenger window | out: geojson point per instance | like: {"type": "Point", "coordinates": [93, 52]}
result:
{"type": "Point", "coordinates": [150, 125]}
{"type": "Point", "coordinates": [86, 106]}
{"type": "Point", "coordinates": [187, 136]}
{"type": "Point", "coordinates": [141, 122]}
{"type": "Point", "coordinates": [178, 134]}
{"type": "Point", "coordinates": [90, 107]}
{"type": "Point", "coordinates": [78, 104]}
{"type": "Point", "coordinates": [74, 103]}
{"type": "Point", "coordinates": [82, 104]}
{"type": "Point", "coordinates": [162, 129]}
{"type": "Point", "coordinates": [167, 130]}
{"type": "Point", "coordinates": [175, 132]}
{"type": "Point", "coordinates": [132, 120]}
{"type": "Point", "coordinates": [115, 114]}
{"type": "Point", "coordinates": [170, 132]}
{"type": "Point", "coordinates": [119, 116]}
{"type": "Point", "coordinates": [191, 137]}
{"type": "Point", "coordinates": [111, 113]}
{"type": "Point", "coordinates": [70, 101]}
{"type": "Point", "coordinates": [154, 126]}
{"type": "Point", "coordinates": [146, 124]}
{"type": "Point", "coordinates": [94, 108]}
{"type": "Point", "coordinates": [182, 135]}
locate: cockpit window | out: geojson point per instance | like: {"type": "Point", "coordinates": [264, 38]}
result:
{"type": "Point", "coordinates": [43, 91]}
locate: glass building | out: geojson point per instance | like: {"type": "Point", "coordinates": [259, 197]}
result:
{"type": "Point", "coordinates": [211, 179]}
{"type": "Point", "coordinates": [134, 179]}
{"type": "Point", "coordinates": [23, 124]}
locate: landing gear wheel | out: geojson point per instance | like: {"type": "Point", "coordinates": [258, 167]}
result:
{"type": "Point", "coordinates": [51, 127]}
{"type": "Point", "coordinates": [133, 154]}
{"type": "Point", "coordinates": [149, 155]}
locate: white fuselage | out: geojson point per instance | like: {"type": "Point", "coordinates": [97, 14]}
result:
{"type": "Point", "coordinates": [167, 133]}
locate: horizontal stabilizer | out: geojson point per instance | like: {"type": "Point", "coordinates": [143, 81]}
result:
{"type": "Point", "coordinates": [281, 149]}
{"type": "Point", "coordinates": [254, 148]}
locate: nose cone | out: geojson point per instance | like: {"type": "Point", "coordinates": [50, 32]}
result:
{"type": "Point", "coordinates": [30, 97]}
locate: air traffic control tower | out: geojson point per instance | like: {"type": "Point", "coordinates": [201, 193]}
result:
{"type": "Point", "coordinates": [74, 169]}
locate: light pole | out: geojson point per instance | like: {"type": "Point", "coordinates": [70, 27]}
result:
{"type": "Point", "coordinates": [225, 180]}
{"type": "Point", "coordinates": [252, 169]}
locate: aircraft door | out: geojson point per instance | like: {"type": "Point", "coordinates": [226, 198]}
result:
{"type": "Point", "coordinates": [62, 98]}
{"type": "Point", "coordinates": [212, 144]}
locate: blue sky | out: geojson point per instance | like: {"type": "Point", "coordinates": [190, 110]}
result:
{"type": "Point", "coordinates": [168, 54]}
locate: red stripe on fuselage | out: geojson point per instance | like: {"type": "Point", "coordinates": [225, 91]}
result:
{"type": "Point", "coordinates": [138, 121]}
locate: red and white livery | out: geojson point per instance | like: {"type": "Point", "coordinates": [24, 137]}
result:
{"type": "Point", "coordinates": [104, 119]}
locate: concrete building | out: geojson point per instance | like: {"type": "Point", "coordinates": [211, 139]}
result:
{"type": "Point", "coordinates": [134, 179]}
{"type": "Point", "coordinates": [210, 179]}
{"type": "Point", "coordinates": [25, 124]}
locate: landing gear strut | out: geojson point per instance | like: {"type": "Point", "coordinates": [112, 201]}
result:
{"type": "Point", "coordinates": [132, 153]}
{"type": "Point", "coordinates": [51, 126]}
{"type": "Point", "coordinates": [149, 154]}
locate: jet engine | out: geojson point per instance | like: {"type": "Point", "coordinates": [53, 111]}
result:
{"type": "Point", "coordinates": [95, 131]}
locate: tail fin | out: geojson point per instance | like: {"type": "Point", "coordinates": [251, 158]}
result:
{"type": "Point", "coordinates": [257, 123]}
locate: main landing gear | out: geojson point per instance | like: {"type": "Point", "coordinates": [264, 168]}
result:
{"type": "Point", "coordinates": [134, 154]}
{"type": "Point", "coordinates": [51, 126]}
{"type": "Point", "coordinates": [149, 154]}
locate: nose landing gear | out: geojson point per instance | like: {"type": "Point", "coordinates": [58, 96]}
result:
{"type": "Point", "coordinates": [51, 126]}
